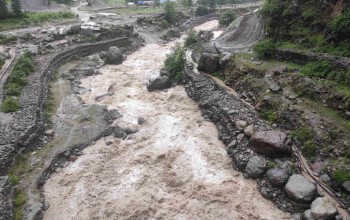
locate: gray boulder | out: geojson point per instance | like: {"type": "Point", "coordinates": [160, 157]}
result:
{"type": "Point", "coordinates": [346, 186]}
{"type": "Point", "coordinates": [208, 63]}
{"type": "Point", "coordinates": [162, 82]}
{"type": "Point", "coordinates": [277, 176]}
{"type": "Point", "coordinates": [256, 167]}
{"type": "Point", "coordinates": [323, 209]}
{"type": "Point", "coordinates": [270, 143]}
{"type": "Point", "coordinates": [307, 215]}
{"type": "Point", "coordinates": [300, 189]}
{"type": "Point", "coordinates": [114, 56]}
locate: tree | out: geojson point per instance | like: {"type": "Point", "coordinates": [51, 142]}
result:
{"type": "Point", "coordinates": [170, 13]}
{"type": "Point", "coordinates": [209, 3]}
{"type": "Point", "coordinates": [16, 8]}
{"type": "Point", "coordinates": [186, 3]}
{"type": "Point", "coordinates": [3, 9]}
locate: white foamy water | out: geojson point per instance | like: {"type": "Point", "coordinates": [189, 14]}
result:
{"type": "Point", "coordinates": [173, 168]}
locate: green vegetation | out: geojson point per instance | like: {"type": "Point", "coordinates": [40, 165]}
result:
{"type": "Point", "coordinates": [186, 3]}
{"type": "Point", "coordinates": [17, 81]}
{"type": "Point", "coordinates": [18, 201]}
{"type": "Point", "coordinates": [227, 18]}
{"type": "Point", "coordinates": [35, 18]}
{"type": "Point", "coordinates": [7, 39]}
{"type": "Point", "coordinates": [139, 11]}
{"type": "Point", "coordinates": [319, 69]}
{"type": "Point", "coordinates": [175, 61]}
{"type": "Point", "coordinates": [2, 62]}
{"type": "Point", "coordinates": [265, 49]}
{"type": "Point", "coordinates": [14, 180]}
{"type": "Point", "coordinates": [170, 13]}
{"type": "Point", "coordinates": [202, 10]}
{"type": "Point", "coordinates": [341, 24]}
{"type": "Point", "coordinates": [269, 115]}
{"type": "Point", "coordinates": [304, 135]}
{"type": "Point", "coordinates": [208, 3]}
{"type": "Point", "coordinates": [191, 38]}
{"type": "Point", "coordinates": [10, 104]}
{"type": "Point", "coordinates": [341, 175]}
{"type": "Point", "coordinates": [219, 76]}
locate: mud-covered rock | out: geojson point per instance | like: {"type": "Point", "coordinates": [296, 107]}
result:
{"type": "Point", "coordinates": [256, 167]}
{"type": "Point", "coordinates": [208, 63]}
{"type": "Point", "coordinates": [159, 83]}
{"type": "Point", "coordinates": [300, 189]}
{"type": "Point", "coordinates": [323, 209]}
{"type": "Point", "coordinates": [114, 56]}
{"type": "Point", "coordinates": [270, 143]}
{"type": "Point", "coordinates": [277, 176]}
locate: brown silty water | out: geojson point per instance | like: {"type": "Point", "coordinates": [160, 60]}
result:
{"type": "Point", "coordinates": [174, 167]}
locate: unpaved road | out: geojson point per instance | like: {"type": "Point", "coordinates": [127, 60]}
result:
{"type": "Point", "coordinates": [174, 167]}
{"type": "Point", "coordinates": [249, 32]}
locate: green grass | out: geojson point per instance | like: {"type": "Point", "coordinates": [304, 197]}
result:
{"type": "Point", "coordinates": [6, 39]}
{"type": "Point", "coordinates": [265, 49]}
{"type": "Point", "coordinates": [112, 2]}
{"type": "Point", "coordinates": [244, 59]}
{"type": "Point", "coordinates": [16, 81]}
{"type": "Point", "coordinates": [317, 69]}
{"type": "Point", "coordinates": [18, 201]}
{"type": "Point", "coordinates": [35, 18]}
{"type": "Point", "coordinates": [139, 11]}
{"type": "Point", "coordinates": [304, 134]}
{"type": "Point", "coordinates": [341, 175]}
{"type": "Point", "coordinates": [219, 76]}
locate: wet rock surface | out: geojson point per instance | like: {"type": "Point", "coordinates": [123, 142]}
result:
{"type": "Point", "coordinates": [208, 63]}
{"type": "Point", "coordinates": [6, 192]}
{"type": "Point", "coordinates": [323, 209]}
{"type": "Point", "coordinates": [256, 167]}
{"type": "Point", "coordinates": [113, 56]}
{"type": "Point", "coordinates": [159, 83]}
{"type": "Point", "coordinates": [277, 176]}
{"type": "Point", "coordinates": [300, 189]}
{"type": "Point", "coordinates": [270, 143]}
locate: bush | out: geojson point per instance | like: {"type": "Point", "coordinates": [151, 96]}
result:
{"type": "Point", "coordinates": [16, 81]}
{"type": "Point", "coordinates": [170, 13]}
{"type": "Point", "coordinates": [341, 24]}
{"type": "Point", "coordinates": [265, 49]}
{"type": "Point", "coordinates": [341, 175]}
{"type": "Point", "coordinates": [191, 38]}
{"type": "Point", "coordinates": [7, 39]}
{"type": "Point", "coordinates": [175, 61]}
{"type": "Point", "coordinates": [227, 18]}
{"type": "Point", "coordinates": [320, 69]}
{"type": "Point", "coordinates": [202, 10]}
{"type": "Point", "coordinates": [10, 105]}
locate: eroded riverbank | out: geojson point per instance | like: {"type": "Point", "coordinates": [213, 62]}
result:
{"type": "Point", "coordinates": [174, 167]}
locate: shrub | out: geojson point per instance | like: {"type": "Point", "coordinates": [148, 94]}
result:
{"type": "Point", "coordinates": [10, 105]}
{"type": "Point", "coordinates": [175, 61]}
{"type": "Point", "coordinates": [202, 10]}
{"type": "Point", "coordinates": [7, 39]}
{"type": "Point", "coordinates": [341, 24]}
{"type": "Point", "coordinates": [227, 18]}
{"type": "Point", "coordinates": [320, 69]}
{"type": "Point", "coordinates": [303, 134]}
{"type": "Point", "coordinates": [341, 175]}
{"type": "Point", "coordinates": [265, 49]}
{"type": "Point", "coordinates": [191, 38]}
{"type": "Point", "coordinates": [170, 13]}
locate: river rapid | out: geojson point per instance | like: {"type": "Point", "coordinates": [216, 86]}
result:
{"type": "Point", "coordinates": [174, 167]}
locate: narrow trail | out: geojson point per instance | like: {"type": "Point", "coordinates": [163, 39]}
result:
{"type": "Point", "coordinates": [174, 167]}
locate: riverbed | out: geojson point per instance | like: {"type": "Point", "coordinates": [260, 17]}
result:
{"type": "Point", "coordinates": [173, 167]}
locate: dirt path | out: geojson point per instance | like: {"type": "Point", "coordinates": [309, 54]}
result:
{"type": "Point", "coordinates": [174, 167]}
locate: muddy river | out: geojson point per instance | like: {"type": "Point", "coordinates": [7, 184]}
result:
{"type": "Point", "coordinates": [174, 167]}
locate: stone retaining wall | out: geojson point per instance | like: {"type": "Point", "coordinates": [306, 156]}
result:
{"type": "Point", "coordinates": [301, 57]}
{"type": "Point", "coordinates": [26, 126]}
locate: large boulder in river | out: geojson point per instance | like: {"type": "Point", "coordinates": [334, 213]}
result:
{"type": "Point", "coordinates": [162, 82]}
{"type": "Point", "coordinates": [323, 209]}
{"type": "Point", "coordinates": [113, 56]}
{"type": "Point", "coordinates": [270, 143]}
{"type": "Point", "coordinates": [300, 189]}
{"type": "Point", "coordinates": [208, 63]}
{"type": "Point", "coordinates": [256, 167]}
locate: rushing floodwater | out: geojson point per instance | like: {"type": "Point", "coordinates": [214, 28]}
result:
{"type": "Point", "coordinates": [173, 168]}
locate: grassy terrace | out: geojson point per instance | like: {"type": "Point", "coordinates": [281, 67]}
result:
{"type": "Point", "coordinates": [36, 18]}
{"type": "Point", "coordinates": [16, 82]}
{"type": "Point", "coordinates": [139, 10]}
